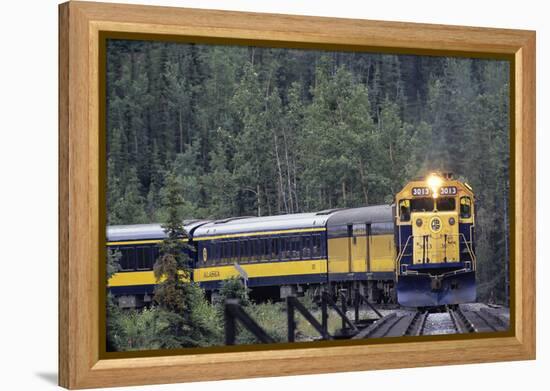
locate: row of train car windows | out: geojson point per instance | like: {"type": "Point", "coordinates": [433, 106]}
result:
{"type": "Point", "coordinates": [243, 250]}
{"type": "Point", "coordinates": [138, 257]}
{"type": "Point", "coordinates": [262, 249]}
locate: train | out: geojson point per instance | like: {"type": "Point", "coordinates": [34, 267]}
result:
{"type": "Point", "coordinates": [418, 251]}
{"type": "Point", "coordinates": [435, 242]}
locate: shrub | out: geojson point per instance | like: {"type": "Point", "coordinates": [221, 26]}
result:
{"type": "Point", "coordinates": [233, 288]}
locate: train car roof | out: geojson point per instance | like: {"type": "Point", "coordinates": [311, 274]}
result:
{"type": "Point", "coordinates": [366, 214]}
{"type": "Point", "coordinates": [117, 233]}
{"type": "Point", "coordinates": [246, 225]}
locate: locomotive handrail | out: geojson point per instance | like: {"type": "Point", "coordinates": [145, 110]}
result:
{"type": "Point", "coordinates": [472, 255]}
{"type": "Point", "coordinates": [400, 257]}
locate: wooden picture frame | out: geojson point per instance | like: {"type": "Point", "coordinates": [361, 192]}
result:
{"type": "Point", "coordinates": [81, 25]}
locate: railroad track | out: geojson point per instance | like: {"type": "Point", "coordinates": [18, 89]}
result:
{"type": "Point", "coordinates": [450, 320]}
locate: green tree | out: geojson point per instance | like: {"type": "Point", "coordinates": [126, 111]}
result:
{"type": "Point", "coordinates": [403, 149]}
{"type": "Point", "coordinates": [338, 141]}
{"type": "Point", "coordinates": [220, 184]}
{"type": "Point", "coordinates": [172, 268]}
{"type": "Point", "coordinates": [253, 156]}
{"type": "Point", "coordinates": [488, 146]}
{"type": "Point", "coordinates": [182, 304]}
{"type": "Point", "coordinates": [234, 288]}
{"type": "Point", "coordinates": [129, 208]}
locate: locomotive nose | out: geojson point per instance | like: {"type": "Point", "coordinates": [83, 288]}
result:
{"type": "Point", "coordinates": [435, 283]}
{"type": "Point", "coordinates": [435, 237]}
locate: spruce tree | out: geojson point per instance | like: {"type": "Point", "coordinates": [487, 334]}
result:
{"type": "Point", "coordinates": [172, 268]}
{"type": "Point", "coordinates": [181, 302]}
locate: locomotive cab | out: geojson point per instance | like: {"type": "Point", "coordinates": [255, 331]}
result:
{"type": "Point", "coordinates": [434, 235]}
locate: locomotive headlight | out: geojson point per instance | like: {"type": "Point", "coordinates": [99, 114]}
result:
{"type": "Point", "coordinates": [451, 220]}
{"type": "Point", "coordinates": [434, 183]}
{"type": "Point", "coordinates": [419, 222]}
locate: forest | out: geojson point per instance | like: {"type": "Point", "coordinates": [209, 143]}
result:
{"type": "Point", "coordinates": [261, 131]}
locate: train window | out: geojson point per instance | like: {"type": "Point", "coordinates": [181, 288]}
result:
{"type": "Point", "coordinates": [251, 249]}
{"type": "Point", "coordinates": [284, 248]}
{"type": "Point", "coordinates": [212, 253]}
{"type": "Point", "coordinates": [234, 254]}
{"type": "Point", "coordinates": [422, 205]}
{"type": "Point", "coordinates": [316, 249]}
{"type": "Point", "coordinates": [274, 248]}
{"type": "Point", "coordinates": [293, 250]}
{"type": "Point", "coordinates": [446, 204]}
{"type": "Point", "coordinates": [267, 250]}
{"type": "Point", "coordinates": [224, 252]}
{"type": "Point", "coordinates": [465, 207]}
{"type": "Point", "coordinates": [230, 252]}
{"type": "Point", "coordinates": [227, 252]}
{"type": "Point", "coordinates": [243, 253]}
{"type": "Point", "coordinates": [143, 258]}
{"type": "Point", "coordinates": [404, 210]}
{"type": "Point", "coordinates": [263, 249]}
{"type": "Point", "coordinates": [288, 248]}
{"type": "Point", "coordinates": [218, 252]}
{"type": "Point", "coordinates": [306, 247]}
{"type": "Point", "coordinates": [154, 255]}
{"type": "Point", "coordinates": [264, 256]}
{"type": "Point", "coordinates": [259, 249]}
{"type": "Point", "coordinates": [127, 259]}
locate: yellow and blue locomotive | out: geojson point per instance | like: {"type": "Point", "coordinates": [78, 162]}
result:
{"type": "Point", "coordinates": [435, 226]}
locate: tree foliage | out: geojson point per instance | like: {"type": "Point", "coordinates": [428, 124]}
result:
{"type": "Point", "coordinates": [233, 288]}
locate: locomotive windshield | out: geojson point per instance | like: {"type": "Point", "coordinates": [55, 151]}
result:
{"type": "Point", "coordinates": [446, 204]}
{"type": "Point", "coordinates": [427, 204]}
{"type": "Point", "coordinates": [422, 205]}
